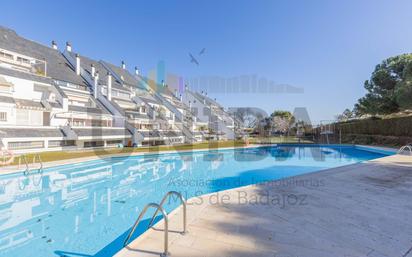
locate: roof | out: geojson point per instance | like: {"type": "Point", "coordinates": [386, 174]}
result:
{"type": "Point", "coordinates": [57, 66]}
{"type": "Point", "coordinates": [127, 77]}
{"type": "Point", "coordinates": [86, 64]}
{"type": "Point", "coordinates": [7, 99]}
{"type": "Point", "coordinates": [29, 132]}
{"type": "Point", "coordinates": [164, 90]}
{"type": "Point", "coordinates": [136, 115]}
{"type": "Point", "coordinates": [4, 82]}
{"type": "Point", "coordinates": [147, 98]}
{"type": "Point", "coordinates": [123, 100]}
{"type": "Point", "coordinates": [24, 75]}
{"type": "Point", "coordinates": [55, 105]}
{"type": "Point", "coordinates": [93, 110]}
{"type": "Point", "coordinates": [29, 103]}
{"type": "Point", "coordinates": [153, 133]}
{"type": "Point", "coordinates": [171, 133]}
{"type": "Point", "coordinates": [179, 105]}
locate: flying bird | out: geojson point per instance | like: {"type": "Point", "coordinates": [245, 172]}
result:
{"type": "Point", "coordinates": [193, 59]}
{"type": "Point", "coordinates": [202, 51]}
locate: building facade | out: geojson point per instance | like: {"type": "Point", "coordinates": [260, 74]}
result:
{"type": "Point", "coordinates": [53, 99]}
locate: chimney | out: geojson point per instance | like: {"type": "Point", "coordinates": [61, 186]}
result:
{"type": "Point", "coordinates": [109, 86]}
{"type": "Point", "coordinates": [93, 70]}
{"type": "Point", "coordinates": [123, 65]}
{"type": "Point", "coordinates": [163, 83]}
{"type": "Point", "coordinates": [96, 85]}
{"type": "Point", "coordinates": [65, 104]}
{"type": "Point", "coordinates": [68, 46]}
{"type": "Point", "coordinates": [54, 45]}
{"type": "Point", "coordinates": [136, 71]}
{"type": "Point", "coordinates": [78, 64]}
{"type": "Point", "coordinates": [181, 98]}
{"type": "Point", "coordinates": [190, 105]}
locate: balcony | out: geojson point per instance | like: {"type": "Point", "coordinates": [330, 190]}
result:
{"type": "Point", "coordinates": [23, 63]}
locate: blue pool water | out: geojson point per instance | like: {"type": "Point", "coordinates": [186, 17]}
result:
{"type": "Point", "coordinates": [86, 209]}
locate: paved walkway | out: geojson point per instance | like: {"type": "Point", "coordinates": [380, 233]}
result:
{"type": "Point", "coordinates": [358, 210]}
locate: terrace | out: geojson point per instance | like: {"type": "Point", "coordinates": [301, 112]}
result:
{"type": "Point", "coordinates": [23, 63]}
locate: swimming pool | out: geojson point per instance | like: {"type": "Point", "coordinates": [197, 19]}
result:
{"type": "Point", "coordinates": [86, 209]}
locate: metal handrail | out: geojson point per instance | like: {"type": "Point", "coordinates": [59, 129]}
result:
{"type": "Point", "coordinates": [182, 199]}
{"type": "Point", "coordinates": [166, 236]}
{"type": "Point", "coordinates": [26, 172]}
{"type": "Point", "coordinates": [39, 160]}
{"type": "Point", "coordinates": [403, 148]}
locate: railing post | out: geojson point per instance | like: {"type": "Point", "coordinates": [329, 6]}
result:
{"type": "Point", "coordinates": [166, 221]}
{"type": "Point", "coordinates": [182, 199]}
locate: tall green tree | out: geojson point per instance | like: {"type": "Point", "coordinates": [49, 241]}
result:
{"type": "Point", "coordinates": [389, 88]}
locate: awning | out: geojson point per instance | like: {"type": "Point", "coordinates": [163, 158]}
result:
{"type": "Point", "coordinates": [29, 104]}
{"type": "Point", "coordinates": [4, 82]}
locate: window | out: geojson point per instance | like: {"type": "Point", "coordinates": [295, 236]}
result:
{"type": "Point", "coordinates": [3, 116]}
{"type": "Point", "coordinates": [25, 145]}
{"type": "Point", "coordinates": [114, 142]}
{"type": "Point", "coordinates": [97, 123]}
{"type": "Point", "coordinates": [94, 144]}
{"type": "Point", "coordinates": [61, 143]}
{"type": "Point", "coordinates": [29, 117]}
{"type": "Point", "coordinates": [23, 60]}
{"type": "Point", "coordinates": [6, 55]}
{"type": "Point", "coordinates": [78, 123]}
{"type": "Point", "coordinates": [22, 117]}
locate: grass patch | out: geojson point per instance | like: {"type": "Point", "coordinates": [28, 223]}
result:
{"type": "Point", "coordinates": [66, 155]}
{"type": "Point", "coordinates": [278, 140]}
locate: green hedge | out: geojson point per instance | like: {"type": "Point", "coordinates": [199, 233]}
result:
{"type": "Point", "coordinates": [396, 127]}
{"type": "Point", "coordinates": [360, 139]}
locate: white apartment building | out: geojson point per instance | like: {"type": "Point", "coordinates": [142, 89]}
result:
{"type": "Point", "coordinates": [134, 107]}
{"type": "Point", "coordinates": [44, 104]}
{"type": "Point", "coordinates": [53, 100]}
{"type": "Point", "coordinates": [220, 123]}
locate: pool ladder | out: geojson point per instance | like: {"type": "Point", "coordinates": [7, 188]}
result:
{"type": "Point", "coordinates": [404, 148]}
{"type": "Point", "coordinates": [159, 207]}
{"type": "Point", "coordinates": [36, 157]}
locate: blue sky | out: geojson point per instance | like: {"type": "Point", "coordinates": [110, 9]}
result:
{"type": "Point", "coordinates": [328, 48]}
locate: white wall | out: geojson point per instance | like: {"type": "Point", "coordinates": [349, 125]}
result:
{"type": "Point", "coordinates": [11, 114]}
{"type": "Point", "coordinates": [24, 89]}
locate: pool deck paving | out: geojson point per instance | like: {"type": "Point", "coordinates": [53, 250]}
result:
{"type": "Point", "coordinates": [357, 210]}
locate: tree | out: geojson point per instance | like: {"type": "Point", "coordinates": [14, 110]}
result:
{"type": "Point", "coordinates": [346, 115]}
{"type": "Point", "coordinates": [403, 93]}
{"type": "Point", "coordinates": [282, 114]}
{"type": "Point", "coordinates": [282, 121]}
{"type": "Point", "coordinates": [389, 88]}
